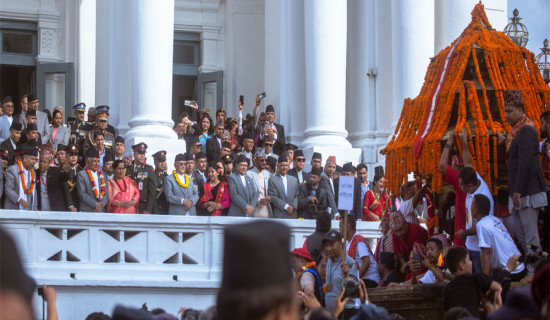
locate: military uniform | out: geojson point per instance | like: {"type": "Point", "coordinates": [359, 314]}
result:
{"type": "Point", "coordinates": [161, 204]}
{"type": "Point", "coordinates": [78, 129]}
{"type": "Point", "coordinates": [145, 177]}
{"type": "Point", "coordinates": [70, 193]}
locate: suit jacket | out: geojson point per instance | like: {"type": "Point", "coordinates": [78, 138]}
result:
{"type": "Point", "coordinates": [212, 149]}
{"type": "Point", "coordinates": [7, 145]}
{"type": "Point", "coordinates": [240, 195]}
{"type": "Point", "coordinates": [11, 189]}
{"type": "Point", "coordinates": [5, 127]}
{"type": "Point", "coordinates": [253, 173]}
{"type": "Point", "coordinates": [198, 179]}
{"type": "Point", "coordinates": [357, 212]}
{"type": "Point", "coordinates": [42, 123]}
{"type": "Point", "coordinates": [279, 144]}
{"type": "Point", "coordinates": [293, 172]}
{"type": "Point", "coordinates": [62, 136]}
{"type": "Point", "coordinates": [524, 171]}
{"type": "Point", "coordinates": [303, 200]}
{"type": "Point", "coordinates": [175, 194]}
{"type": "Point", "coordinates": [55, 178]}
{"type": "Point", "coordinates": [279, 199]}
{"type": "Point", "coordinates": [325, 183]}
{"type": "Point", "coordinates": [70, 188]}
{"type": "Point", "coordinates": [86, 194]}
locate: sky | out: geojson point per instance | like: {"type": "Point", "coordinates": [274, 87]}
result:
{"type": "Point", "coordinates": [535, 18]}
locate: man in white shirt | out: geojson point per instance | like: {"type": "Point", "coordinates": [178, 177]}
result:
{"type": "Point", "coordinates": [261, 177]}
{"type": "Point", "coordinates": [283, 190]}
{"type": "Point", "coordinates": [496, 245]}
{"type": "Point", "coordinates": [6, 119]}
{"type": "Point", "coordinates": [471, 183]}
{"type": "Point", "coordinates": [358, 249]}
{"type": "Point", "coordinates": [411, 198]}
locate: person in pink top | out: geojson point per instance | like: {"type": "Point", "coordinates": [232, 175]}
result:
{"type": "Point", "coordinates": [123, 191]}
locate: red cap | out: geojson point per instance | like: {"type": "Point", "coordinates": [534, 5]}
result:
{"type": "Point", "coordinates": [302, 252]}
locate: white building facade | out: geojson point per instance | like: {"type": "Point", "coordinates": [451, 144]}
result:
{"type": "Point", "coordinates": [337, 72]}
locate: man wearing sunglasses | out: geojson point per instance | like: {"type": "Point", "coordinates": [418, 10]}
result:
{"type": "Point", "coordinates": [298, 170]}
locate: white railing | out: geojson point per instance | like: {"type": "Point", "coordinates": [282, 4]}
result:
{"type": "Point", "coordinates": [98, 260]}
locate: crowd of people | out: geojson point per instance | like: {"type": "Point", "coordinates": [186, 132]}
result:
{"type": "Point", "coordinates": [249, 170]}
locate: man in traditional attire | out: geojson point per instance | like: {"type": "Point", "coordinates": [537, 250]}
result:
{"type": "Point", "coordinates": [261, 177]}
{"type": "Point", "coordinates": [181, 193]}
{"type": "Point", "coordinates": [49, 184]}
{"type": "Point", "coordinates": [283, 190]}
{"type": "Point", "coordinates": [20, 188]}
{"type": "Point", "coordinates": [92, 185]}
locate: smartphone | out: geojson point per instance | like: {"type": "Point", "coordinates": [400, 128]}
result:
{"type": "Point", "coordinates": [241, 99]}
{"type": "Point", "coordinates": [40, 291]}
{"type": "Point", "coordinates": [188, 103]}
{"type": "Point", "coordinates": [266, 125]}
{"type": "Point", "coordinates": [261, 95]}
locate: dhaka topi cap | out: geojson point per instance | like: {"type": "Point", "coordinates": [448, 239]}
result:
{"type": "Point", "coordinates": [298, 153]}
{"type": "Point", "coordinates": [241, 158]}
{"type": "Point", "coordinates": [262, 244]}
{"type": "Point", "coordinates": [188, 156]}
{"type": "Point", "coordinates": [512, 97]}
{"type": "Point", "coordinates": [248, 135]}
{"type": "Point", "coordinates": [93, 153]}
{"type": "Point", "coordinates": [200, 155]}
{"type": "Point", "coordinates": [317, 155]}
{"type": "Point", "coordinates": [140, 147]}
{"type": "Point", "coordinates": [260, 153]}
{"type": "Point", "coordinates": [348, 167]}
{"type": "Point", "coordinates": [269, 108]}
{"type": "Point", "coordinates": [16, 125]}
{"type": "Point", "coordinates": [339, 169]}
{"type": "Point", "coordinates": [193, 139]}
{"type": "Point", "coordinates": [61, 147]}
{"type": "Point", "coordinates": [119, 139]}
{"type": "Point", "coordinates": [160, 156]}
{"type": "Point", "coordinates": [180, 157]}
{"type": "Point", "coordinates": [379, 171]}
{"type": "Point", "coordinates": [108, 157]}
{"type": "Point", "coordinates": [31, 97]}
{"type": "Point", "coordinates": [32, 127]}
{"type": "Point", "coordinates": [283, 157]}
{"type": "Point", "coordinates": [226, 144]}
{"type": "Point", "coordinates": [302, 253]}
{"type": "Point", "coordinates": [331, 160]}
{"type": "Point", "coordinates": [290, 146]}
{"type": "Point", "coordinates": [316, 171]}
{"type": "Point", "coordinates": [30, 113]}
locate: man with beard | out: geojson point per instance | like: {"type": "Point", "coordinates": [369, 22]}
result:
{"type": "Point", "coordinates": [72, 167]}
{"type": "Point", "coordinates": [92, 185]}
{"type": "Point", "coordinates": [161, 205]}
{"type": "Point", "coordinates": [49, 184]}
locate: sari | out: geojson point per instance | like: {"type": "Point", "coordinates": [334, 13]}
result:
{"type": "Point", "coordinates": [120, 191]}
{"type": "Point", "coordinates": [219, 194]}
{"type": "Point", "coordinates": [377, 205]}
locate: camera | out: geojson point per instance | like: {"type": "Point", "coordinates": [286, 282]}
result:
{"type": "Point", "coordinates": [261, 95]}
{"type": "Point", "coordinates": [352, 288]}
{"type": "Point", "coordinates": [312, 208]}
{"type": "Point", "coordinates": [40, 291]}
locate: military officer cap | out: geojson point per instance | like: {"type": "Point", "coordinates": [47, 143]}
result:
{"type": "Point", "coordinates": [102, 116]}
{"type": "Point", "coordinates": [179, 157]}
{"type": "Point", "coordinates": [188, 157]}
{"type": "Point", "coordinates": [16, 125]}
{"type": "Point", "coordinates": [119, 139]}
{"type": "Point", "coordinates": [160, 156]}
{"type": "Point", "coordinates": [4, 154]}
{"type": "Point", "coordinates": [61, 147]}
{"type": "Point", "coordinates": [72, 149]}
{"type": "Point", "coordinates": [103, 109]}
{"type": "Point", "coordinates": [227, 159]}
{"type": "Point", "coordinates": [31, 97]}
{"type": "Point", "coordinates": [220, 111]}
{"type": "Point", "coordinates": [290, 146]}
{"type": "Point", "coordinates": [140, 147]}
{"type": "Point", "coordinates": [79, 107]}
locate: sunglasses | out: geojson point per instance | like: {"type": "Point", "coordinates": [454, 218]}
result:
{"type": "Point", "coordinates": [197, 145]}
{"type": "Point", "coordinates": [300, 159]}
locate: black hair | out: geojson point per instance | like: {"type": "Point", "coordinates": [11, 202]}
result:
{"type": "Point", "coordinates": [468, 175]}
{"type": "Point", "coordinates": [211, 128]}
{"type": "Point", "coordinates": [483, 204]}
{"type": "Point", "coordinates": [455, 255]}
{"type": "Point", "coordinates": [362, 166]}
{"type": "Point", "coordinates": [117, 162]}
{"type": "Point", "coordinates": [98, 316]}
{"type": "Point", "coordinates": [456, 313]}
{"type": "Point", "coordinates": [502, 195]}
{"type": "Point", "coordinates": [377, 177]}
{"type": "Point", "coordinates": [546, 116]}
{"type": "Point", "coordinates": [252, 304]}
{"type": "Point", "coordinates": [183, 115]}
{"type": "Point", "coordinates": [323, 222]}
{"type": "Point", "coordinates": [387, 259]}
{"type": "Point", "coordinates": [351, 221]}
{"type": "Point", "coordinates": [437, 242]}
{"type": "Point", "coordinates": [98, 133]}
{"type": "Point", "coordinates": [55, 112]}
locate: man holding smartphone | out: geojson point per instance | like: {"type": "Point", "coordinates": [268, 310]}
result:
{"type": "Point", "coordinates": [273, 130]}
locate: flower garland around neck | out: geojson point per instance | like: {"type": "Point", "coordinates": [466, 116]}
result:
{"type": "Point", "coordinates": [29, 190]}
{"type": "Point", "coordinates": [304, 268]}
{"type": "Point", "coordinates": [183, 185]}
{"type": "Point", "coordinates": [98, 194]}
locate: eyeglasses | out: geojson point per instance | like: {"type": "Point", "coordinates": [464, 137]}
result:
{"type": "Point", "coordinates": [300, 159]}
{"type": "Point", "coordinates": [263, 160]}
{"type": "Point", "coordinates": [268, 144]}
{"type": "Point", "coordinates": [197, 145]}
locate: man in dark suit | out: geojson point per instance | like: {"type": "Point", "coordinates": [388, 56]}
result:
{"type": "Point", "coordinates": [49, 182]}
{"type": "Point", "coordinates": [214, 144]}
{"type": "Point", "coordinates": [161, 205]}
{"type": "Point", "coordinates": [200, 175]}
{"type": "Point", "coordinates": [362, 174]}
{"type": "Point", "coordinates": [10, 144]}
{"type": "Point", "coordinates": [327, 181]}
{"type": "Point", "coordinates": [70, 186]}
{"type": "Point", "coordinates": [525, 179]}
{"type": "Point", "coordinates": [273, 130]}
{"type": "Point", "coordinates": [298, 170]}
{"type": "Point", "coordinates": [145, 177]}
{"type": "Point", "coordinates": [283, 190]}
{"type": "Point", "coordinates": [357, 212]}
{"type": "Point", "coordinates": [242, 193]}
{"type": "Point", "coordinates": [311, 193]}
{"type": "Point", "coordinates": [93, 195]}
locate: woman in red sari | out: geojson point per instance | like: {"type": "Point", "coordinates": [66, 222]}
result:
{"type": "Point", "coordinates": [376, 202]}
{"type": "Point", "coordinates": [214, 196]}
{"type": "Point", "coordinates": [123, 191]}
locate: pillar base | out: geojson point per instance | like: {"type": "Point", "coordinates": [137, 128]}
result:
{"type": "Point", "coordinates": [325, 137]}
{"type": "Point", "coordinates": [171, 146]}
{"type": "Point", "coordinates": [343, 155]}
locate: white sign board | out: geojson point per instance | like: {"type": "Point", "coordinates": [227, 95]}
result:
{"type": "Point", "coordinates": [345, 193]}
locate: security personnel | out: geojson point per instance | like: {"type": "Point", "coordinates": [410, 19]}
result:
{"type": "Point", "coordinates": [161, 204]}
{"type": "Point", "coordinates": [70, 193]}
{"type": "Point", "coordinates": [78, 127]}
{"type": "Point", "coordinates": [104, 110]}
{"type": "Point", "coordinates": [101, 126]}
{"type": "Point", "coordinates": [145, 177]}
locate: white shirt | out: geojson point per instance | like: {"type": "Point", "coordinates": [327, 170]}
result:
{"type": "Point", "coordinates": [285, 184]}
{"type": "Point", "coordinates": [243, 180]}
{"type": "Point", "coordinates": [363, 251]}
{"type": "Point", "coordinates": [428, 277]}
{"type": "Point", "coordinates": [472, 241]}
{"type": "Point", "coordinates": [493, 234]}
{"type": "Point", "coordinates": [408, 212]}
{"type": "Point", "coordinates": [10, 119]}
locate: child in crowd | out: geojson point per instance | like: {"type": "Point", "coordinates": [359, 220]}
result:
{"type": "Point", "coordinates": [386, 268]}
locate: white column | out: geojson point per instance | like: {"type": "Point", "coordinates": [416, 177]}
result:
{"type": "Point", "coordinates": [412, 47]}
{"type": "Point", "coordinates": [325, 49]}
{"type": "Point", "coordinates": [152, 32]}
{"type": "Point", "coordinates": [295, 83]}
{"type": "Point", "coordinates": [86, 52]}
{"type": "Point", "coordinates": [103, 38]}
{"type": "Point", "coordinates": [361, 72]}
{"type": "Point", "coordinates": [274, 23]}
{"type": "Point", "coordinates": [453, 16]}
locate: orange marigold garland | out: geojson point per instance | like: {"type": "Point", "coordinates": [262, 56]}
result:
{"type": "Point", "coordinates": [98, 194]}
{"type": "Point", "coordinates": [22, 175]}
